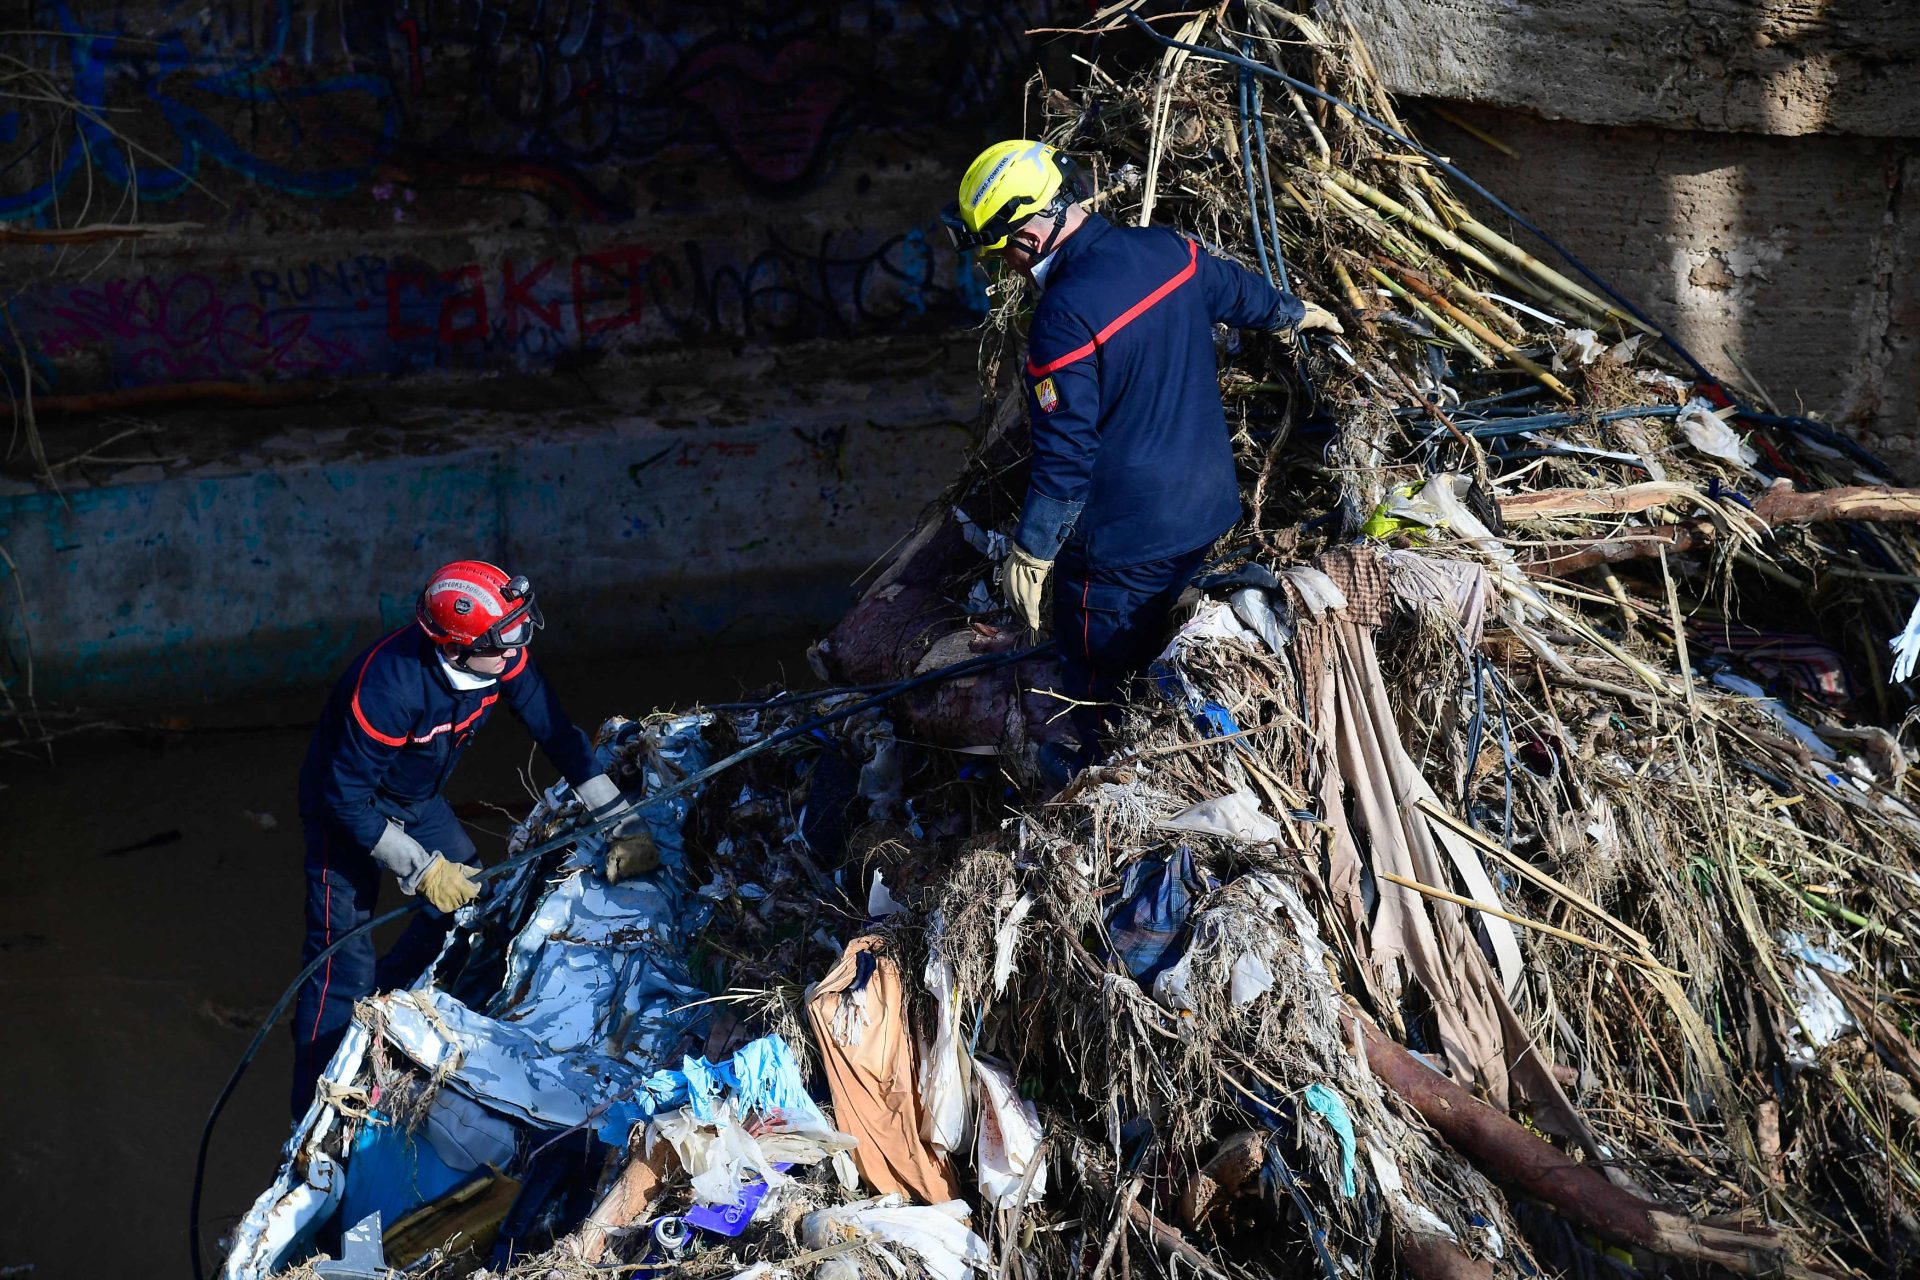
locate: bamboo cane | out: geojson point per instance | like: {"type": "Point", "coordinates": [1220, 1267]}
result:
{"type": "Point", "coordinates": [1492, 339]}
{"type": "Point", "coordinates": [1433, 318]}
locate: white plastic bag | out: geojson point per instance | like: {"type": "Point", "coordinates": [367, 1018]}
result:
{"type": "Point", "coordinates": [946, 1106]}
{"type": "Point", "coordinates": [1009, 1140]}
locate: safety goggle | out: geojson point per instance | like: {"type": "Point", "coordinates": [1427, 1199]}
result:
{"type": "Point", "coordinates": [994, 229]}
{"type": "Point", "coordinates": [516, 628]}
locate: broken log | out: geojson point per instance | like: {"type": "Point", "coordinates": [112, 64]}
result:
{"type": "Point", "coordinates": [1780, 504]}
{"type": "Point", "coordinates": [625, 1203]}
{"type": "Point", "coordinates": [1581, 1194]}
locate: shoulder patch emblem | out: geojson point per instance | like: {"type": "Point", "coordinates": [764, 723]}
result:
{"type": "Point", "coordinates": [1048, 397]}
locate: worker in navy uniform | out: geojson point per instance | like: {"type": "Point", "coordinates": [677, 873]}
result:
{"type": "Point", "coordinates": [397, 723]}
{"type": "Point", "coordinates": [1132, 476]}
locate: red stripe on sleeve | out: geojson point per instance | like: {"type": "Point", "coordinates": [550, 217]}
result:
{"type": "Point", "coordinates": [361, 716]}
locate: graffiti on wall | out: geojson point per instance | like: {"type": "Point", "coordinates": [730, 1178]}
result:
{"type": "Point", "coordinates": [254, 117]}
{"type": "Point", "coordinates": [315, 99]}
{"type": "Point", "coordinates": [368, 315]}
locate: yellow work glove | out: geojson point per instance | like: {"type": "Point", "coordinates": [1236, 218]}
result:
{"type": "Point", "coordinates": [632, 854]}
{"type": "Point", "coordinates": [1318, 318]}
{"type": "Point", "coordinates": [1022, 578]}
{"type": "Point", "coordinates": [449, 886]}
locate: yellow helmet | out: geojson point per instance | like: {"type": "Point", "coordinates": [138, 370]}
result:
{"type": "Point", "coordinates": [1005, 185]}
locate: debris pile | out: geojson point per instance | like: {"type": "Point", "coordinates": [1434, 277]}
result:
{"type": "Point", "coordinates": [1503, 871]}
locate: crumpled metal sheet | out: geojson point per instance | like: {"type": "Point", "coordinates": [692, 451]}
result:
{"type": "Point", "coordinates": [595, 997]}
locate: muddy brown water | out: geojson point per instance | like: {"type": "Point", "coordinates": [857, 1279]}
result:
{"type": "Point", "coordinates": [150, 915]}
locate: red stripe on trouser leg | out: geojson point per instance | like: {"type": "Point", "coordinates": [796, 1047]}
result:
{"type": "Point", "coordinates": [1086, 633]}
{"type": "Point", "coordinates": [326, 852]}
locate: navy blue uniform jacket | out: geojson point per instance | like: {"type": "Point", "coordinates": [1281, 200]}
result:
{"type": "Point", "coordinates": [1131, 457]}
{"type": "Point", "coordinates": [395, 726]}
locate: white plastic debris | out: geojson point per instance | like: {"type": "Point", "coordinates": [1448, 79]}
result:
{"type": "Point", "coordinates": [880, 900]}
{"type": "Point", "coordinates": [1250, 978]}
{"type": "Point", "coordinates": [1316, 590]}
{"type": "Point", "coordinates": [1251, 606]}
{"type": "Point", "coordinates": [1820, 1017]}
{"type": "Point", "coordinates": [718, 1156]}
{"type": "Point", "coordinates": [1708, 432]}
{"type": "Point", "coordinates": [1234, 816]}
{"type": "Point", "coordinates": [1387, 1173]}
{"type": "Point", "coordinates": [1173, 989]}
{"type": "Point", "coordinates": [1906, 647]}
{"type": "Point", "coordinates": [987, 542]}
{"type": "Point", "coordinates": [1005, 938]}
{"type": "Point", "coordinates": [1777, 712]}
{"type": "Point", "coordinates": [881, 776]}
{"type": "Point", "coordinates": [1009, 1140]}
{"type": "Point", "coordinates": [945, 1100]}
{"type": "Point", "coordinates": [938, 1233]}
{"type": "Point", "coordinates": [1579, 347]}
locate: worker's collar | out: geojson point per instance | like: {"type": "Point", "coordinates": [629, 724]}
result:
{"type": "Point", "coordinates": [464, 681]}
{"type": "Point", "coordinates": [1085, 234]}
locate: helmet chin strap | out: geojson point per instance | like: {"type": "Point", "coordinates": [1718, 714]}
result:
{"type": "Point", "coordinates": [1060, 207]}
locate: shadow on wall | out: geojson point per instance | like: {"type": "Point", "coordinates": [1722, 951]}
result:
{"type": "Point", "coordinates": [1736, 170]}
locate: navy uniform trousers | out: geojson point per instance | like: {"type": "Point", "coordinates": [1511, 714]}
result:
{"type": "Point", "coordinates": [343, 886]}
{"type": "Point", "coordinates": [1109, 624]}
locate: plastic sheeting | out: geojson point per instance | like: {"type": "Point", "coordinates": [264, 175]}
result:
{"type": "Point", "coordinates": [859, 1017]}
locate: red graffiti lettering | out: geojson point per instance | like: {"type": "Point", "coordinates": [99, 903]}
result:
{"type": "Point", "coordinates": [472, 301]}
{"type": "Point", "coordinates": [620, 265]}
{"type": "Point", "coordinates": [516, 296]}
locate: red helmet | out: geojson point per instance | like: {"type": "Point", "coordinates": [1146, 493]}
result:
{"type": "Point", "coordinates": [474, 606]}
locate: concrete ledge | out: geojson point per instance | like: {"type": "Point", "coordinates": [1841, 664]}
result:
{"type": "Point", "coordinates": [744, 516]}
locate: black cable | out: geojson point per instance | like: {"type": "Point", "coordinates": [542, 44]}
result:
{"type": "Point", "coordinates": [1246, 166]}
{"type": "Point", "coordinates": [985, 662]}
{"type": "Point", "coordinates": [1266, 182]}
{"type": "Point", "coordinates": [1808, 425]}
{"type": "Point", "coordinates": [788, 699]}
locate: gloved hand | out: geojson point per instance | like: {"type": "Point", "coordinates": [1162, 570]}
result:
{"type": "Point", "coordinates": [631, 853]}
{"type": "Point", "coordinates": [401, 854]}
{"type": "Point", "coordinates": [448, 885]}
{"type": "Point", "coordinates": [1022, 578]}
{"type": "Point", "coordinates": [1318, 318]}
{"type": "Point", "coordinates": [602, 798]}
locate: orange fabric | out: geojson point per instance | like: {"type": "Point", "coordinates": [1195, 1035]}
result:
{"type": "Point", "coordinates": [867, 1047]}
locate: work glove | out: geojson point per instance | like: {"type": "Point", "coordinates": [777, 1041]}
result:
{"type": "Point", "coordinates": [401, 854]}
{"type": "Point", "coordinates": [632, 852]}
{"type": "Point", "coordinates": [602, 798]}
{"type": "Point", "coordinates": [1023, 577]}
{"type": "Point", "coordinates": [449, 886]}
{"type": "Point", "coordinates": [1317, 318]}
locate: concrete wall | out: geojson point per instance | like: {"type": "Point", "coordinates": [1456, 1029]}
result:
{"type": "Point", "coordinates": [384, 189]}
{"type": "Point", "coordinates": [387, 203]}
{"type": "Point", "coordinates": [1743, 170]}
{"type": "Point", "coordinates": [713, 517]}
